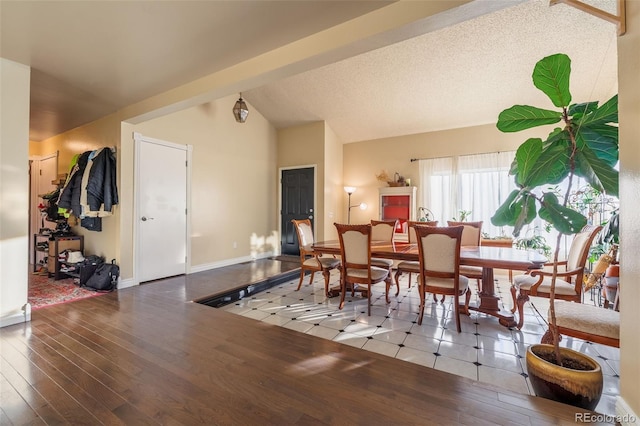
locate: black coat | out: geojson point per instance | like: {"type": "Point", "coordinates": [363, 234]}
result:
{"type": "Point", "coordinates": [70, 195]}
{"type": "Point", "coordinates": [101, 185]}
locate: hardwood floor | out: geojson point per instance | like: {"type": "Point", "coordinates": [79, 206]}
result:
{"type": "Point", "coordinates": [148, 355]}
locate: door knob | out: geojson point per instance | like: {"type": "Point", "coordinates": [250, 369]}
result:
{"type": "Point", "coordinates": [144, 218]}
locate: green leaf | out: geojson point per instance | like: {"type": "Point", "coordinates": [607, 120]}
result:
{"type": "Point", "coordinates": [526, 157]}
{"type": "Point", "coordinates": [506, 213]}
{"type": "Point", "coordinates": [583, 108]}
{"type": "Point", "coordinates": [602, 139]}
{"type": "Point", "coordinates": [551, 75]}
{"type": "Point", "coordinates": [522, 117]}
{"type": "Point", "coordinates": [600, 174]}
{"type": "Point", "coordinates": [527, 213]}
{"type": "Point", "coordinates": [518, 210]}
{"type": "Point", "coordinates": [607, 113]}
{"type": "Point", "coordinates": [564, 219]}
{"type": "Point", "coordinates": [550, 167]}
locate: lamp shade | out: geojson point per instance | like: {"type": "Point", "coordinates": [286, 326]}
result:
{"type": "Point", "coordinates": [240, 110]}
{"type": "Point", "coordinates": [349, 189]}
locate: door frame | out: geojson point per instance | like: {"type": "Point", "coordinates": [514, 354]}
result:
{"type": "Point", "coordinates": [34, 191]}
{"type": "Point", "coordinates": [315, 196]}
{"type": "Point", "coordinates": [137, 140]}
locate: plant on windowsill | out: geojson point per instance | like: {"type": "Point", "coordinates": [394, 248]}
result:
{"type": "Point", "coordinates": [535, 242]}
{"type": "Point", "coordinates": [586, 146]}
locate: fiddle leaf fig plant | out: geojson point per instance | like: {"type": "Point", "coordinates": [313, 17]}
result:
{"type": "Point", "coordinates": [585, 145]}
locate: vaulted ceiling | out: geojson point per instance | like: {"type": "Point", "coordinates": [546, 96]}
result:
{"type": "Point", "coordinates": [90, 59]}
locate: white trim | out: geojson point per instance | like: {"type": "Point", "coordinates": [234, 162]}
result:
{"type": "Point", "coordinates": [137, 139]}
{"type": "Point", "coordinates": [624, 414]}
{"type": "Point", "coordinates": [17, 317]}
{"type": "Point", "coordinates": [228, 262]}
{"type": "Point", "coordinates": [129, 282]}
{"type": "Point", "coordinates": [315, 197]}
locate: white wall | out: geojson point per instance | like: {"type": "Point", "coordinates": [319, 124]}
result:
{"type": "Point", "coordinates": [14, 191]}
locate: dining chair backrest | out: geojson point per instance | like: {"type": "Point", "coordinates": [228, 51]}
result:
{"type": "Point", "coordinates": [305, 236]}
{"type": "Point", "coordinates": [412, 232]}
{"type": "Point", "coordinates": [355, 245]}
{"type": "Point", "coordinates": [383, 230]}
{"type": "Point", "coordinates": [439, 250]}
{"type": "Point", "coordinates": [471, 234]}
{"type": "Point", "coordinates": [579, 249]}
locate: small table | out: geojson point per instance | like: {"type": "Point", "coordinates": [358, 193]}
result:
{"type": "Point", "coordinates": [486, 257]}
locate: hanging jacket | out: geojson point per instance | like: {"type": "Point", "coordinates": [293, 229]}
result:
{"type": "Point", "coordinates": [102, 192]}
{"type": "Point", "coordinates": [70, 194]}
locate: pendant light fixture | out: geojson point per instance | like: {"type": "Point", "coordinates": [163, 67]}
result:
{"type": "Point", "coordinates": [240, 110]}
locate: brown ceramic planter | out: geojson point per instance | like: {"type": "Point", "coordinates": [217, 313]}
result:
{"type": "Point", "coordinates": [574, 387]}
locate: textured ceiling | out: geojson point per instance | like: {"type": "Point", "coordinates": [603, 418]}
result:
{"type": "Point", "coordinates": [459, 76]}
{"type": "Point", "coordinates": [90, 59]}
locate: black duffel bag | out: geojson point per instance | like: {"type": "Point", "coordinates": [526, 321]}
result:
{"type": "Point", "coordinates": [104, 278]}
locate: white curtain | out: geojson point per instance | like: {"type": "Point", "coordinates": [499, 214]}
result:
{"type": "Point", "coordinates": [476, 183]}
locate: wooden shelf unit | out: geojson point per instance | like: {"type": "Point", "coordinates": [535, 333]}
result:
{"type": "Point", "coordinates": [398, 203]}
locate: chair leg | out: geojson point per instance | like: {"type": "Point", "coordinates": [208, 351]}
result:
{"type": "Point", "coordinates": [397, 284]}
{"type": "Point", "coordinates": [409, 284]}
{"type": "Point", "coordinates": [387, 285]}
{"type": "Point", "coordinates": [522, 299]}
{"type": "Point", "coordinates": [513, 298]}
{"type": "Point", "coordinates": [311, 277]}
{"type": "Point", "coordinates": [326, 274]}
{"type": "Point", "coordinates": [369, 300]}
{"type": "Point", "coordinates": [456, 312]}
{"type": "Point", "coordinates": [301, 278]}
{"type": "Point", "coordinates": [343, 290]}
{"type": "Point", "coordinates": [397, 277]}
{"type": "Point", "coordinates": [422, 302]}
{"type": "Point", "coordinates": [467, 299]}
{"type": "Point", "coordinates": [435, 298]}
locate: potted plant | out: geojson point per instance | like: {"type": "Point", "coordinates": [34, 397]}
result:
{"type": "Point", "coordinates": [586, 145]}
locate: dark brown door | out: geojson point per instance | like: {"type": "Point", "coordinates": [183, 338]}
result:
{"type": "Point", "coordinates": [297, 203]}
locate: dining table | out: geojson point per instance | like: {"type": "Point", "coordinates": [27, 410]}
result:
{"type": "Point", "coordinates": [488, 258]}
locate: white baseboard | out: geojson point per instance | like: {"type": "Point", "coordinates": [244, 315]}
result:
{"type": "Point", "coordinates": [125, 283]}
{"type": "Point", "coordinates": [18, 317]}
{"type": "Point", "coordinates": [228, 262]}
{"type": "Point", "coordinates": [624, 414]}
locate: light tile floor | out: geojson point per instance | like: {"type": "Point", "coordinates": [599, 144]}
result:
{"type": "Point", "coordinates": [484, 351]}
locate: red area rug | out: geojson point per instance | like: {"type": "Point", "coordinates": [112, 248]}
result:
{"type": "Point", "coordinates": [44, 291]}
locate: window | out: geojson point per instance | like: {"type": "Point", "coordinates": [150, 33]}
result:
{"type": "Point", "coordinates": [476, 183]}
{"type": "Point", "coordinates": [480, 184]}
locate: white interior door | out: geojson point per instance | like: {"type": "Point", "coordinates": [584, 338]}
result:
{"type": "Point", "coordinates": [161, 222]}
{"type": "Point", "coordinates": [43, 170]}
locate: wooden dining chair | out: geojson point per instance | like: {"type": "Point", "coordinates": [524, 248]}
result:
{"type": "Point", "coordinates": [569, 281]}
{"type": "Point", "coordinates": [471, 236]}
{"type": "Point", "coordinates": [355, 250]}
{"type": "Point", "coordinates": [409, 266]}
{"type": "Point", "coordinates": [439, 258]}
{"type": "Point", "coordinates": [384, 230]}
{"type": "Point", "coordinates": [309, 260]}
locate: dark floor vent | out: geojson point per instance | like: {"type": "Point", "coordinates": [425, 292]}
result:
{"type": "Point", "coordinates": [223, 299]}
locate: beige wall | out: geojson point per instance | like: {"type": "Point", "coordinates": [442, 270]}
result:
{"type": "Point", "coordinates": [104, 132]}
{"type": "Point", "coordinates": [14, 190]}
{"type": "Point", "coordinates": [233, 189]}
{"type": "Point", "coordinates": [629, 106]}
{"type": "Point", "coordinates": [364, 160]}
{"type": "Point", "coordinates": [334, 195]}
{"type": "Point", "coordinates": [303, 146]}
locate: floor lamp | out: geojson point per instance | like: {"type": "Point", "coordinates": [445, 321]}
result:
{"type": "Point", "coordinates": [350, 190]}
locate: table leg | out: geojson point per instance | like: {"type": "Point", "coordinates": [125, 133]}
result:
{"type": "Point", "coordinates": [489, 301]}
